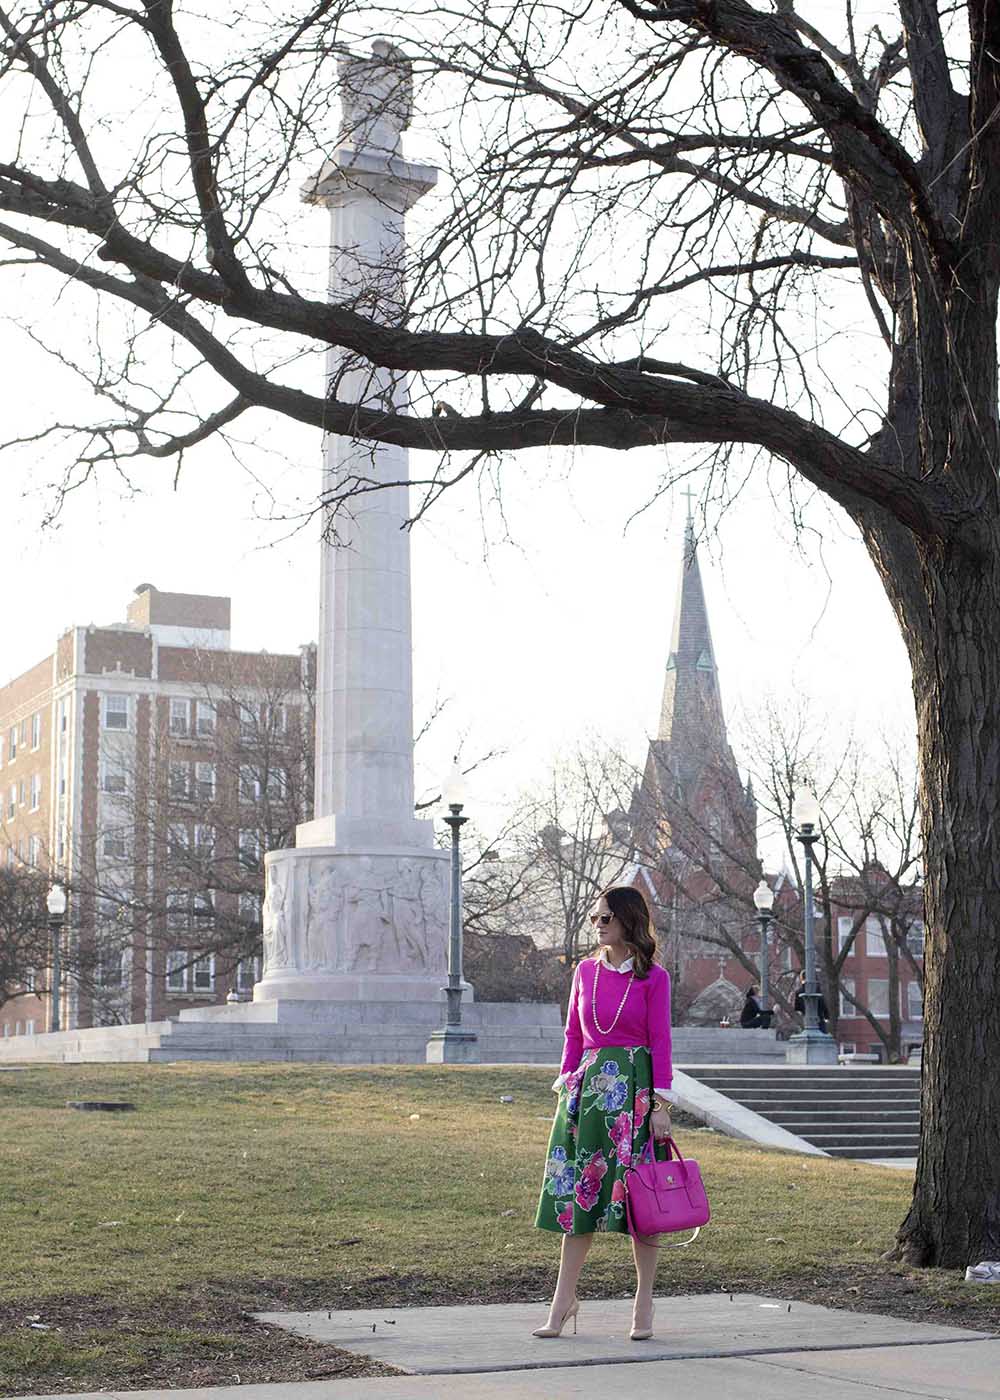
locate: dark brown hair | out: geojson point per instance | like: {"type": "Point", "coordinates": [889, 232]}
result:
{"type": "Point", "coordinates": [628, 904]}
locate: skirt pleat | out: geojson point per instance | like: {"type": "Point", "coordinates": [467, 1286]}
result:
{"type": "Point", "coordinates": [601, 1125]}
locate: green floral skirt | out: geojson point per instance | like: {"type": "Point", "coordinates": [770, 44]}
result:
{"type": "Point", "coordinates": [601, 1125]}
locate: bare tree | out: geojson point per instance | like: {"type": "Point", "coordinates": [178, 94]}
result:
{"type": "Point", "coordinates": [744, 165]}
{"type": "Point", "coordinates": [867, 861]}
{"type": "Point", "coordinates": [24, 937]}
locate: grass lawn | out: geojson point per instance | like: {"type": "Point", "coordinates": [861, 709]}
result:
{"type": "Point", "coordinates": [137, 1243]}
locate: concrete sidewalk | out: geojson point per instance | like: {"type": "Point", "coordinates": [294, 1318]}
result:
{"type": "Point", "coordinates": [949, 1371]}
{"type": "Point", "coordinates": [706, 1346]}
{"type": "Point", "coordinates": [449, 1340]}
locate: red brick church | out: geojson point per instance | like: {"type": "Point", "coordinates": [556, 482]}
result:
{"type": "Point", "coordinates": [693, 820]}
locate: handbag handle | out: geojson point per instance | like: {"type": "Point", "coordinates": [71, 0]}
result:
{"type": "Point", "coordinates": [673, 1153]}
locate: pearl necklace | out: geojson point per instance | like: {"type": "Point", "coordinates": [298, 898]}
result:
{"type": "Point", "coordinates": [602, 1030]}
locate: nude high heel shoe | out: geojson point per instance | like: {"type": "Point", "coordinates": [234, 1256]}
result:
{"type": "Point", "coordinates": [642, 1334]}
{"type": "Point", "coordinates": [570, 1312]}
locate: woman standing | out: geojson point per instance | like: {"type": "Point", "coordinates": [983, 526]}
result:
{"type": "Point", "coordinates": [615, 1074]}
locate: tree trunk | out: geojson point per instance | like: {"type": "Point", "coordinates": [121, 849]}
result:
{"type": "Point", "coordinates": [955, 650]}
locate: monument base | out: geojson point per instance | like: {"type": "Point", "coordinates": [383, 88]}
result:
{"type": "Point", "coordinates": [811, 1047]}
{"type": "Point", "coordinates": [355, 924]}
{"type": "Point", "coordinates": [453, 1045]}
{"type": "Point", "coordinates": [333, 1032]}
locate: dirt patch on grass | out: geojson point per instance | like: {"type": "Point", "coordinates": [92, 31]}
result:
{"type": "Point", "coordinates": [206, 1336]}
{"type": "Point", "coordinates": [195, 1338]}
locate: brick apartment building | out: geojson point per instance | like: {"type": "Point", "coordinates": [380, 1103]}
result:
{"type": "Point", "coordinates": [148, 766]}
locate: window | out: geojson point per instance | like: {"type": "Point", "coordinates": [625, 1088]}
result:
{"type": "Point", "coordinates": [36, 729]}
{"type": "Point", "coordinates": [874, 938]}
{"type": "Point", "coordinates": [275, 718]}
{"type": "Point", "coordinates": [204, 839]}
{"type": "Point", "coordinates": [116, 712]}
{"type": "Point", "coordinates": [22, 792]}
{"type": "Point", "coordinates": [176, 970]}
{"type": "Point", "coordinates": [249, 846]}
{"type": "Point", "coordinates": [64, 716]}
{"type": "Point", "coordinates": [13, 743]}
{"type": "Point", "coordinates": [878, 996]}
{"type": "Point", "coordinates": [115, 844]}
{"type": "Point", "coordinates": [22, 733]}
{"type": "Point", "coordinates": [30, 983]}
{"type": "Point", "coordinates": [249, 783]}
{"type": "Point", "coordinates": [247, 973]}
{"type": "Point", "coordinates": [185, 973]}
{"type": "Point", "coordinates": [915, 937]}
{"type": "Point", "coordinates": [914, 1001]}
{"type": "Point", "coordinates": [179, 718]}
{"type": "Point", "coordinates": [179, 780]}
{"type": "Point", "coordinates": [203, 975]}
{"type": "Point", "coordinates": [203, 909]}
{"type": "Point", "coordinates": [35, 851]}
{"type": "Point", "coordinates": [277, 784]}
{"type": "Point", "coordinates": [204, 781]}
{"type": "Point", "coordinates": [205, 717]}
{"type": "Point", "coordinates": [248, 719]}
{"type": "Point", "coordinates": [249, 908]}
{"type": "Point", "coordinates": [60, 845]}
{"type": "Point", "coordinates": [847, 985]}
{"type": "Point", "coordinates": [36, 791]}
{"type": "Point", "coordinates": [177, 839]}
{"type": "Point", "coordinates": [110, 965]}
{"type": "Point", "coordinates": [12, 802]}
{"type": "Point", "coordinates": [177, 909]}
{"type": "Point", "coordinates": [844, 925]}
{"type": "Point", "coordinates": [29, 1027]}
{"type": "Point", "coordinates": [114, 779]}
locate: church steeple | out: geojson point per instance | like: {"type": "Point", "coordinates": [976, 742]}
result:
{"type": "Point", "coordinates": [691, 714]}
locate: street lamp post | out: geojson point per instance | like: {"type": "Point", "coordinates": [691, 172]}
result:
{"type": "Point", "coordinates": [811, 1045]}
{"type": "Point", "coordinates": [56, 904]}
{"type": "Point", "coordinates": [452, 1044]}
{"type": "Point", "coordinates": [763, 898]}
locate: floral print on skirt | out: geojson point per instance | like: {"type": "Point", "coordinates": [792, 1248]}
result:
{"type": "Point", "coordinates": [601, 1125]}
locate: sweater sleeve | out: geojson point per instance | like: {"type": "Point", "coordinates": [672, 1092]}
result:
{"type": "Point", "coordinates": [573, 1042]}
{"type": "Point", "coordinates": [658, 1027]}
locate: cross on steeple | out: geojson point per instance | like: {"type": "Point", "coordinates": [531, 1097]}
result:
{"type": "Point", "coordinates": [690, 497]}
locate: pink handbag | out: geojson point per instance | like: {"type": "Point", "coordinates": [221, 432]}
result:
{"type": "Point", "coordinates": [662, 1197]}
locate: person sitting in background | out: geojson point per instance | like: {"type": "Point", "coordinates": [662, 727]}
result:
{"type": "Point", "coordinates": [751, 1017]}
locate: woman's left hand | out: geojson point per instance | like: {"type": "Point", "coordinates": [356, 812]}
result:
{"type": "Point", "coordinates": [659, 1123]}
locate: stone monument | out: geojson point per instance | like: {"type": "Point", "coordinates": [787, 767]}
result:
{"type": "Point", "coordinates": [359, 909]}
{"type": "Point", "coordinates": [355, 920]}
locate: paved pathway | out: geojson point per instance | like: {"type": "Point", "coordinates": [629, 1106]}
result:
{"type": "Point", "coordinates": [449, 1340]}
{"type": "Point", "coordinates": [706, 1347]}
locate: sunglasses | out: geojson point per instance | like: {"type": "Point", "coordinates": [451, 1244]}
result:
{"type": "Point", "coordinates": [602, 919]}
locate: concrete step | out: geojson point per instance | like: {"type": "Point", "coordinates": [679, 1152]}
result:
{"type": "Point", "coordinates": [793, 1081]}
{"type": "Point", "coordinates": [896, 1150]}
{"type": "Point", "coordinates": [865, 1145]}
{"type": "Point", "coordinates": [841, 1115]}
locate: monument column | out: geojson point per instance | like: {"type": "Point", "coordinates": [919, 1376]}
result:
{"type": "Point", "coordinates": [358, 910]}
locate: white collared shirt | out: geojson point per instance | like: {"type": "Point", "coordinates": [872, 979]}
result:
{"type": "Point", "coordinates": [626, 966]}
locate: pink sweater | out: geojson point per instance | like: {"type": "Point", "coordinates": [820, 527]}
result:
{"type": "Point", "coordinates": [645, 1017]}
